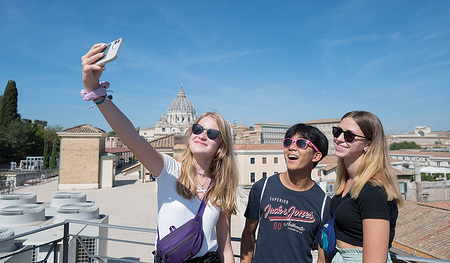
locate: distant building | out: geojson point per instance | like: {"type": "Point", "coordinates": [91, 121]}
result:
{"type": "Point", "coordinates": [406, 159]}
{"type": "Point", "coordinates": [180, 116]}
{"type": "Point", "coordinates": [325, 126]}
{"type": "Point", "coordinates": [84, 163]}
{"type": "Point", "coordinates": [241, 133]}
{"type": "Point", "coordinates": [256, 161]}
{"type": "Point", "coordinates": [261, 133]}
{"type": "Point", "coordinates": [422, 136]}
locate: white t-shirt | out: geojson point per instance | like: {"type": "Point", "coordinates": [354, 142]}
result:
{"type": "Point", "coordinates": [174, 210]}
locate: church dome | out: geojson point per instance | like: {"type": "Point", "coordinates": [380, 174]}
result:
{"type": "Point", "coordinates": [181, 104]}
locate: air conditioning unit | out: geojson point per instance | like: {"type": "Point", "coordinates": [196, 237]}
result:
{"type": "Point", "coordinates": [21, 213]}
{"type": "Point", "coordinates": [12, 246]}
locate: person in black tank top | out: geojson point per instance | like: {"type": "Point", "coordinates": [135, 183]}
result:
{"type": "Point", "coordinates": [365, 221]}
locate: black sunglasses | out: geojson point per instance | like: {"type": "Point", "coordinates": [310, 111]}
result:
{"type": "Point", "coordinates": [211, 133]}
{"type": "Point", "coordinates": [348, 135]}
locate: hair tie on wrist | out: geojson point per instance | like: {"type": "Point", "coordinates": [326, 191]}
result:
{"type": "Point", "coordinates": [94, 94]}
{"type": "Point", "coordinates": [98, 95]}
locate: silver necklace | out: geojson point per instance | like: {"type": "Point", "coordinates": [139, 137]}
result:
{"type": "Point", "coordinates": [201, 187]}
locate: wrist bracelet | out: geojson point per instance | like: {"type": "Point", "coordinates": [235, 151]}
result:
{"type": "Point", "coordinates": [102, 99]}
{"type": "Point", "coordinates": [99, 100]}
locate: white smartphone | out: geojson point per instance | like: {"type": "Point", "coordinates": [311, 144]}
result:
{"type": "Point", "coordinates": [111, 52]}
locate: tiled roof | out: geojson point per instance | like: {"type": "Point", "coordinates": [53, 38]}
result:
{"type": "Point", "coordinates": [445, 205]}
{"type": "Point", "coordinates": [424, 229]}
{"type": "Point", "coordinates": [329, 167]}
{"type": "Point", "coordinates": [117, 150]}
{"type": "Point", "coordinates": [249, 147]}
{"type": "Point", "coordinates": [167, 141]}
{"type": "Point", "coordinates": [400, 172]}
{"type": "Point", "coordinates": [83, 128]}
{"type": "Point", "coordinates": [329, 159]}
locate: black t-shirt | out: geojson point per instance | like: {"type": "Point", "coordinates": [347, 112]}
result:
{"type": "Point", "coordinates": [290, 220]}
{"type": "Point", "coordinates": [371, 203]}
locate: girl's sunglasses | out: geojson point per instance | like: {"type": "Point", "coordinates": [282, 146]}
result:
{"type": "Point", "coordinates": [211, 133]}
{"type": "Point", "coordinates": [348, 135]}
{"type": "Point", "coordinates": [301, 143]}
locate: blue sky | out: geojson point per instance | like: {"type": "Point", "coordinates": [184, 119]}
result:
{"type": "Point", "coordinates": [252, 61]}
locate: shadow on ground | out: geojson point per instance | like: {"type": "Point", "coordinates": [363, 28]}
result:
{"type": "Point", "coordinates": [119, 183]}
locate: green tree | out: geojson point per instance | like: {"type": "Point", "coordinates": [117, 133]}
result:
{"type": "Point", "coordinates": [54, 155]}
{"type": "Point", "coordinates": [45, 162]}
{"type": "Point", "coordinates": [19, 140]}
{"type": "Point", "coordinates": [51, 132]}
{"type": "Point", "coordinates": [8, 107]}
{"type": "Point", "coordinates": [403, 145]}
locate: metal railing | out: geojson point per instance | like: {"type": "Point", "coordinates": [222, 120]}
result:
{"type": "Point", "coordinates": [60, 249]}
{"type": "Point", "coordinates": [27, 178]}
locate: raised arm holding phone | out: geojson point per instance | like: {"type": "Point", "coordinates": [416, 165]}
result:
{"type": "Point", "coordinates": [182, 186]}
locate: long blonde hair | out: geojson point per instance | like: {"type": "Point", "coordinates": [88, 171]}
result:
{"type": "Point", "coordinates": [222, 192]}
{"type": "Point", "coordinates": [375, 166]}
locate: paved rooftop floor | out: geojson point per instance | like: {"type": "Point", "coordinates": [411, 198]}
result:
{"type": "Point", "coordinates": [130, 202]}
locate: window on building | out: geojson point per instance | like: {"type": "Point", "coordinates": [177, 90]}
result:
{"type": "Point", "coordinates": [275, 160]}
{"type": "Point", "coordinates": [264, 174]}
{"type": "Point", "coordinates": [252, 160]}
{"type": "Point", "coordinates": [403, 187]}
{"type": "Point", "coordinates": [275, 172]}
{"type": "Point", "coordinates": [252, 177]}
{"type": "Point", "coordinates": [264, 160]}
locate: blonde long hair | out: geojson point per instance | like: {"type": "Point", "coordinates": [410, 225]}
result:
{"type": "Point", "coordinates": [222, 192]}
{"type": "Point", "coordinates": [375, 166]}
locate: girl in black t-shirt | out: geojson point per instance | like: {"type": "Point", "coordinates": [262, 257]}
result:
{"type": "Point", "coordinates": [365, 221]}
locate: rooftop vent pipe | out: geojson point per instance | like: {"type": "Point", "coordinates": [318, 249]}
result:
{"type": "Point", "coordinates": [64, 198]}
{"type": "Point", "coordinates": [17, 199]}
{"type": "Point", "coordinates": [18, 215]}
{"type": "Point", "coordinates": [78, 211]}
{"type": "Point", "coordinates": [7, 246]}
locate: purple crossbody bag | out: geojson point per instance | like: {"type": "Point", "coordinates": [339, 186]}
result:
{"type": "Point", "coordinates": [182, 243]}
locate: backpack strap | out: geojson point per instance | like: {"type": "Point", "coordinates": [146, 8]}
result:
{"type": "Point", "coordinates": [264, 188]}
{"type": "Point", "coordinates": [323, 207]}
{"type": "Point", "coordinates": [262, 193]}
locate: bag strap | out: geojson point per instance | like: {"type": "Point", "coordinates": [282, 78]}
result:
{"type": "Point", "coordinates": [200, 210]}
{"type": "Point", "coordinates": [262, 193]}
{"type": "Point", "coordinates": [323, 207]}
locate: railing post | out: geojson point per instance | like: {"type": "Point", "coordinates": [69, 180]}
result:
{"type": "Point", "coordinates": [66, 243]}
{"type": "Point", "coordinates": [55, 251]}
